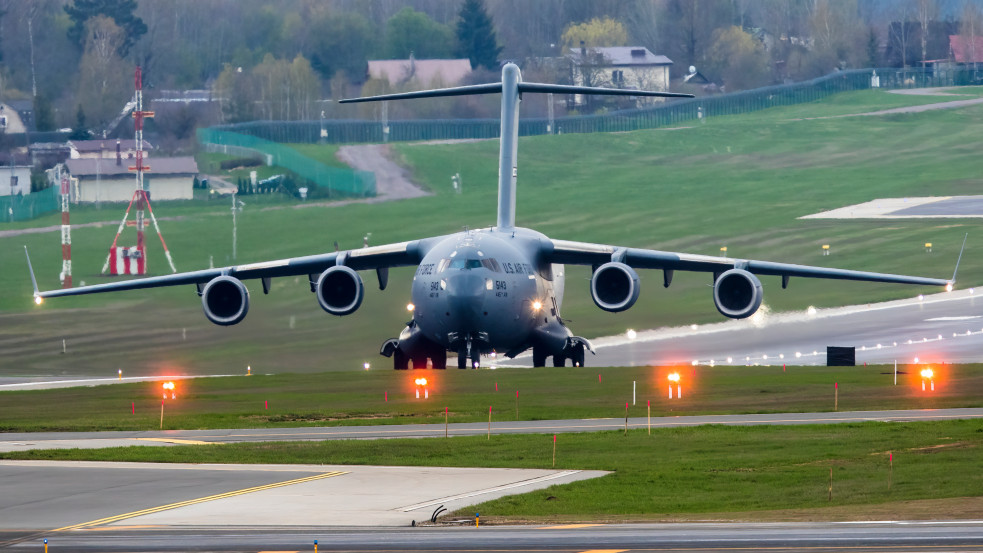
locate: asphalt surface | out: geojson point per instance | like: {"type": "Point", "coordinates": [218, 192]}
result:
{"type": "Point", "coordinates": [699, 537]}
{"type": "Point", "coordinates": [946, 327]}
{"type": "Point", "coordinates": [958, 206]}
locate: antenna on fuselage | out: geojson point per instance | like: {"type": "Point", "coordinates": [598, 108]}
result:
{"type": "Point", "coordinates": [511, 88]}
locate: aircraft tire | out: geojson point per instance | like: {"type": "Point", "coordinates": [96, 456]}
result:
{"type": "Point", "coordinates": [420, 362]}
{"type": "Point", "coordinates": [439, 359]}
{"type": "Point", "coordinates": [538, 357]}
{"type": "Point", "coordinates": [462, 361]}
{"type": "Point", "coordinates": [578, 357]}
{"type": "Point", "coordinates": [400, 361]}
{"type": "Point", "coordinates": [475, 360]}
{"type": "Point", "coordinates": [559, 360]}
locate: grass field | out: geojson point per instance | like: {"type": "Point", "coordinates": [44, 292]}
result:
{"type": "Point", "coordinates": [737, 181]}
{"type": "Point", "coordinates": [388, 397]}
{"type": "Point", "coordinates": [704, 473]}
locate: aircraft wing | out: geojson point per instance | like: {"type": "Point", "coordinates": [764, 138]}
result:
{"type": "Point", "coordinates": [583, 253]}
{"type": "Point", "coordinates": [374, 257]}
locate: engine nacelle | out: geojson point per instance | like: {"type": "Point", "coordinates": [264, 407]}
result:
{"type": "Point", "coordinates": [737, 294]}
{"type": "Point", "coordinates": [225, 300]}
{"type": "Point", "coordinates": [339, 290]}
{"type": "Point", "coordinates": [614, 286]}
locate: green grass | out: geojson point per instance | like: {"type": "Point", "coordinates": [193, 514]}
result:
{"type": "Point", "coordinates": [360, 397]}
{"type": "Point", "coordinates": [672, 473]}
{"type": "Point", "coordinates": [737, 181]}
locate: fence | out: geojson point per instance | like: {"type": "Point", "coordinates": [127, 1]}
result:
{"type": "Point", "coordinates": [22, 208]}
{"type": "Point", "coordinates": [668, 113]}
{"type": "Point", "coordinates": [341, 181]}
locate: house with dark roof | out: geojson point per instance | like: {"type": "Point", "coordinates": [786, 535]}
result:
{"type": "Point", "coordinates": [630, 67]}
{"type": "Point", "coordinates": [110, 179]}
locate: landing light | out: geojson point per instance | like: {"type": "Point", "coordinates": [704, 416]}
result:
{"type": "Point", "coordinates": [38, 300]}
{"type": "Point", "coordinates": [410, 307]}
{"type": "Point", "coordinates": [948, 287]}
{"type": "Point", "coordinates": [537, 305]}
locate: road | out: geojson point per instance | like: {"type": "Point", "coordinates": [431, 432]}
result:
{"type": "Point", "coordinates": [61, 440]}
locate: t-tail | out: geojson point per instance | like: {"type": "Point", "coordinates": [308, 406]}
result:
{"type": "Point", "coordinates": [511, 88]}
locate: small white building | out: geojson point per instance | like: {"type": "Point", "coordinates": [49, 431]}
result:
{"type": "Point", "coordinates": [110, 180]}
{"type": "Point", "coordinates": [106, 148]}
{"type": "Point", "coordinates": [630, 67]}
{"type": "Point", "coordinates": [15, 180]}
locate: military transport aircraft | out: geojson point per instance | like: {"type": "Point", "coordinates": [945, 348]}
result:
{"type": "Point", "coordinates": [496, 289]}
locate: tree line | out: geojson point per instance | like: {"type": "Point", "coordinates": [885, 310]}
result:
{"type": "Point", "coordinates": [284, 59]}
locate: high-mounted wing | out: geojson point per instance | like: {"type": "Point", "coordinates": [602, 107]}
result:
{"type": "Point", "coordinates": [737, 291]}
{"type": "Point", "coordinates": [374, 257]}
{"type": "Point", "coordinates": [583, 253]}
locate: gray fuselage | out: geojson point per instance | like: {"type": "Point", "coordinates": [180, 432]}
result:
{"type": "Point", "coordinates": [489, 287]}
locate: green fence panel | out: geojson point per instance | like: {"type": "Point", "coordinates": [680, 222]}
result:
{"type": "Point", "coordinates": [666, 113]}
{"type": "Point", "coordinates": [343, 181]}
{"type": "Point", "coordinates": [23, 208]}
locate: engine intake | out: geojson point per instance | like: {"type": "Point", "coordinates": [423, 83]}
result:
{"type": "Point", "coordinates": [339, 290]}
{"type": "Point", "coordinates": [614, 286]}
{"type": "Point", "coordinates": [225, 300]}
{"type": "Point", "coordinates": [737, 294]}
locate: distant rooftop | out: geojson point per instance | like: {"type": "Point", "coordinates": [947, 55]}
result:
{"type": "Point", "coordinates": [962, 49]}
{"type": "Point", "coordinates": [425, 72]}
{"type": "Point", "coordinates": [107, 166]}
{"type": "Point", "coordinates": [625, 55]}
{"type": "Point", "coordinates": [106, 145]}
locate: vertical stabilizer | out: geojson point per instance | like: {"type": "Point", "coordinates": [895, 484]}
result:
{"type": "Point", "coordinates": [508, 146]}
{"type": "Point", "coordinates": [510, 88]}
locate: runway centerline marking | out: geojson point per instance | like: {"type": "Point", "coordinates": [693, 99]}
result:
{"type": "Point", "coordinates": [152, 510]}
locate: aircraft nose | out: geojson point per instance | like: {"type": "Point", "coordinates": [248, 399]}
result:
{"type": "Point", "coordinates": [465, 294]}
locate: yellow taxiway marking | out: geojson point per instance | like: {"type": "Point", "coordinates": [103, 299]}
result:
{"type": "Point", "coordinates": [175, 441]}
{"type": "Point", "coordinates": [170, 506]}
{"type": "Point", "coordinates": [568, 526]}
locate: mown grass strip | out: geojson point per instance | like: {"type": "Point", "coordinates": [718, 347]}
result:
{"type": "Point", "coordinates": [388, 397]}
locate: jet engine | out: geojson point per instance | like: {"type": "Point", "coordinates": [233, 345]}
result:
{"type": "Point", "coordinates": [339, 290]}
{"type": "Point", "coordinates": [737, 294]}
{"type": "Point", "coordinates": [614, 286]}
{"type": "Point", "coordinates": [225, 300]}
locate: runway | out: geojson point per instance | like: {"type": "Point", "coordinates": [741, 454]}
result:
{"type": "Point", "coordinates": [691, 537]}
{"type": "Point", "coordinates": [60, 440]}
{"type": "Point", "coordinates": [946, 327]}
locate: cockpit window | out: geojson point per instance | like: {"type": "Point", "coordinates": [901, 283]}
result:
{"type": "Point", "coordinates": [465, 263]}
{"type": "Point", "coordinates": [491, 264]}
{"type": "Point", "coordinates": [443, 265]}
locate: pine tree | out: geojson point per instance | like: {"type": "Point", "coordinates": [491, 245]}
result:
{"type": "Point", "coordinates": [80, 132]}
{"type": "Point", "coordinates": [120, 11]}
{"type": "Point", "coordinates": [476, 35]}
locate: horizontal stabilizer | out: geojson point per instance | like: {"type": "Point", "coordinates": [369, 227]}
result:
{"type": "Point", "coordinates": [566, 89]}
{"type": "Point", "coordinates": [491, 88]}
{"type": "Point", "coordinates": [496, 88]}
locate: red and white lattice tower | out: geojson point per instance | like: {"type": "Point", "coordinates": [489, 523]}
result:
{"type": "Point", "coordinates": [66, 235]}
{"type": "Point", "coordinates": [133, 260]}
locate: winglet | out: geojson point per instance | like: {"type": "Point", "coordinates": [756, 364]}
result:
{"type": "Point", "coordinates": [960, 258]}
{"type": "Point", "coordinates": [34, 281]}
